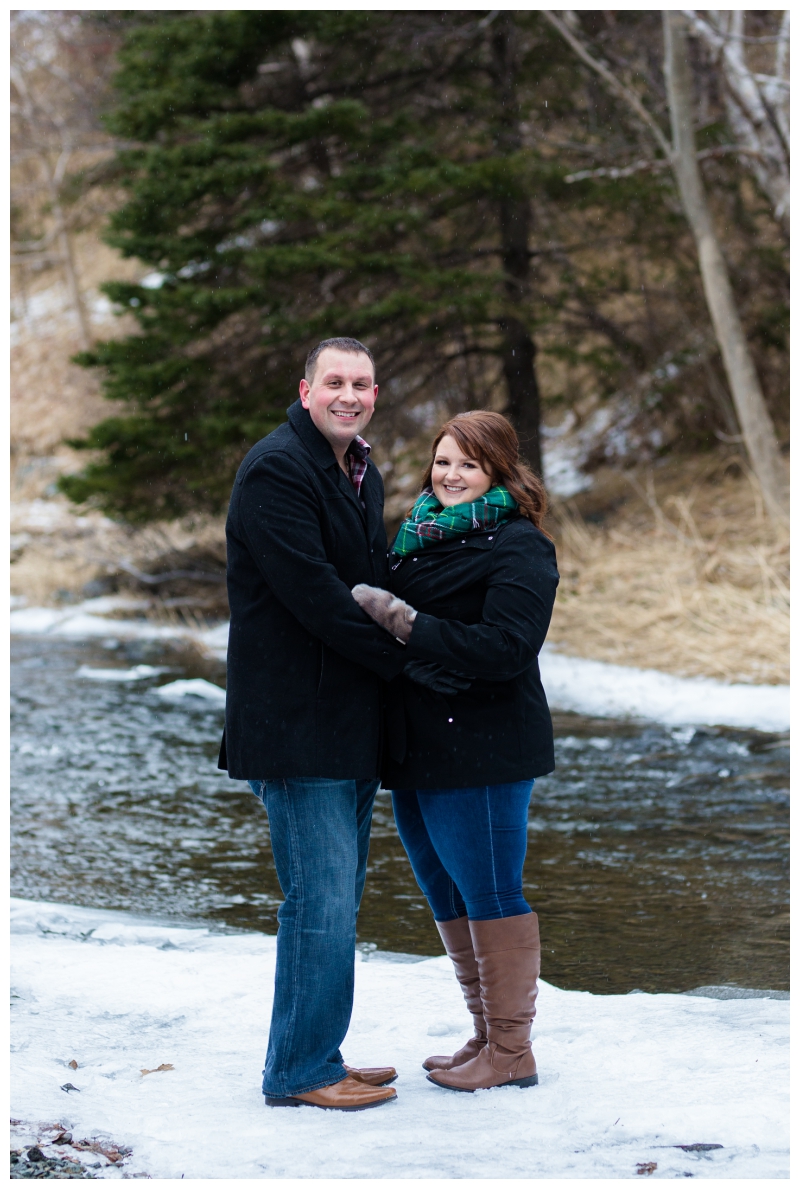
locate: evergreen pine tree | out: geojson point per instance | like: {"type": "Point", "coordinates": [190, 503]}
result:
{"type": "Point", "coordinates": [300, 175]}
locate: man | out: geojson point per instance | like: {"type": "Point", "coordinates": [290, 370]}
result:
{"type": "Point", "coordinates": [304, 710]}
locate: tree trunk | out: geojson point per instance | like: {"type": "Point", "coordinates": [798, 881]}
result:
{"type": "Point", "coordinates": [757, 105]}
{"type": "Point", "coordinates": [518, 350]}
{"type": "Point", "coordinates": [519, 360]}
{"type": "Point", "coordinates": [756, 425]}
{"type": "Point", "coordinates": [68, 259]}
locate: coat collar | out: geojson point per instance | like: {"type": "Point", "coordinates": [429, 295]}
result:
{"type": "Point", "coordinates": [320, 450]}
{"type": "Point", "coordinates": [475, 539]}
{"type": "Point", "coordinates": [317, 445]}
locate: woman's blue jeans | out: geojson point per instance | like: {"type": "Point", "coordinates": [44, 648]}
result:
{"type": "Point", "coordinates": [467, 847]}
{"type": "Point", "coordinates": [319, 831]}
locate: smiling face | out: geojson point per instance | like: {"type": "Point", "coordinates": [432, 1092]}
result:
{"type": "Point", "coordinates": [456, 478]}
{"type": "Point", "coordinates": [340, 396]}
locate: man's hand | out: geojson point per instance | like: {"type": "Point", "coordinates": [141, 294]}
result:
{"type": "Point", "coordinates": [386, 609]}
{"type": "Point", "coordinates": [443, 681]}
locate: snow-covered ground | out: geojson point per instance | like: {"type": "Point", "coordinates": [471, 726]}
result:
{"type": "Point", "coordinates": [89, 620]}
{"type": "Point", "coordinates": [617, 691]}
{"type": "Point", "coordinates": [587, 687]}
{"type": "Point", "coordinates": [623, 1078]}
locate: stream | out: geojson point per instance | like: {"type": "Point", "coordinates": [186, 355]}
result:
{"type": "Point", "coordinates": [657, 857]}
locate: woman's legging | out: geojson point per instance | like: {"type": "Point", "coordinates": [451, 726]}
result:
{"type": "Point", "coordinates": [466, 847]}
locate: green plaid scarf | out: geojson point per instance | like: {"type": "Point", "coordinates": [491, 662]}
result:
{"type": "Point", "coordinates": [429, 522]}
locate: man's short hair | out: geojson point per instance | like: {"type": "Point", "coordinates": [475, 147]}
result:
{"type": "Point", "coordinates": [351, 345]}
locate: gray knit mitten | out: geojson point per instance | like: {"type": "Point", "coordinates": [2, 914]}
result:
{"type": "Point", "coordinates": [386, 609]}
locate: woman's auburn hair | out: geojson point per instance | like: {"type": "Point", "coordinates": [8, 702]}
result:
{"type": "Point", "coordinates": [491, 440]}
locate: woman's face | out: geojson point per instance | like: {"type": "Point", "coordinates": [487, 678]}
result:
{"type": "Point", "coordinates": [457, 478]}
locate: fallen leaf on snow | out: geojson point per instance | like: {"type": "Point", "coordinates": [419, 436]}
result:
{"type": "Point", "coordinates": [110, 1151]}
{"type": "Point", "coordinates": [648, 1168]}
{"type": "Point", "coordinates": [69, 1086]}
{"type": "Point", "coordinates": [158, 1069]}
{"type": "Point", "coordinates": [73, 1064]}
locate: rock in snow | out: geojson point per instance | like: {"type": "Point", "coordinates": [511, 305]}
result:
{"type": "Point", "coordinates": [194, 687]}
{"type": "Point", "coordinates": [137, 673]}
{"type": "Point", "coordinates": [625, 1080]}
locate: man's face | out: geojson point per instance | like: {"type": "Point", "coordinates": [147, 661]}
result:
{"type": "Point", "coordinates": [341, 397]}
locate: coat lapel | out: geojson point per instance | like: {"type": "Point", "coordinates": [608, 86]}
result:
{"type": "Point", "coordinates": [371, 491]}
{"type": "Point", "coordinates": [320, 450]}
{"type": "Point", "coordinates": [317, 446]}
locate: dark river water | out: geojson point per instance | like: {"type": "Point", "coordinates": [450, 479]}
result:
{"type": "Point", "coordinates": [657, 858]}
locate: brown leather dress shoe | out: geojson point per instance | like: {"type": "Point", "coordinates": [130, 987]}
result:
{"type": "Point", "coordinates": [379, 1075]}
{"type": "Point", "coordinates": [346, 1095]}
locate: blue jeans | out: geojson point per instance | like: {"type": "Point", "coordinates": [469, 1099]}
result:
{"type": "Point", "coordinates": [319, 831]}
{"type": "Point", "coordinates": [466, 847]}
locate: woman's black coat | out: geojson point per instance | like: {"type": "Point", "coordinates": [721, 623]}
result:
{"type": "Point", "coordinates": [484, 604]}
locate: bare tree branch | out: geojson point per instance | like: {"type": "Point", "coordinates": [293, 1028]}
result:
{"type": "Point", "coordinates": [659, 163]}
{"type": "Point", "coordinates": [757, 105]}
{"type": "Point", "coordinates": [53, 179]}
{"type": "Point", "coordinates": [610, 79]}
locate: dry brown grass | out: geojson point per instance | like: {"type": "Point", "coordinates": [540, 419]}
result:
{"type": "Point", "coordinates": [688, 576]}
{"type": "Point", "coordinates": [54, 559]}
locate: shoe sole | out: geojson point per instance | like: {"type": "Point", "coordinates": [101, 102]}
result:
{"type": "Point", "coordinates": [301, 1102]}
{"type": "Point", "coordinates": [533, 1080]}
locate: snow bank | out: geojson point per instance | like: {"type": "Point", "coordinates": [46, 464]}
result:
{"type": "Point", "coordinates": [616, 691]}
{"type": "Point", "coordinates": [624, 1078]}
{"type": "Point", "coordinates": [587, 687]}
{"type": "Point", "coordinates": [88, 619]}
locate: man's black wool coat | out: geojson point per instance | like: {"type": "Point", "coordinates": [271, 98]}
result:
{"type": "Point", "coordinates": [485, 602]}
{"type": "Point", "coordinates": [305, 663]}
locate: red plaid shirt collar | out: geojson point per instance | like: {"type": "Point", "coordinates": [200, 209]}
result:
{"type": "Point", "coordinates": [357, 455]}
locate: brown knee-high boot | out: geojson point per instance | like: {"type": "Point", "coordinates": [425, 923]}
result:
{"type": "Point", "coordinates": [458, 943]}
{"type": "Point", "coordinates": [508, 955]}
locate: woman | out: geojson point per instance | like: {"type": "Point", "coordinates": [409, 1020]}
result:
{"type": "Point", "coordinates": [473, 579]}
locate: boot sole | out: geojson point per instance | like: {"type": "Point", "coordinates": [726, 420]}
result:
{"type": "Point", "coordinates": [301, 1102]}
{"type": "Point", "coordinates": [533, 1080]}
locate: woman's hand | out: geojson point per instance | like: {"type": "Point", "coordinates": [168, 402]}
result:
{"type": "Point", "coordinates": [444, 681]}
{"type": "Point", "coordinates": [386, 609]}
